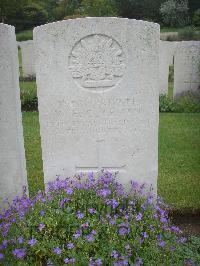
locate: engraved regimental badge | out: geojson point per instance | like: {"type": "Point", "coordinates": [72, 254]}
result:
{"type": "Point", "coordinates": [97, 62]}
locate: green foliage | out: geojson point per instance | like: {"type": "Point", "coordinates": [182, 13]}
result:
{"type": "Point", "coordinates": [67, 8]}
{"type": "Point", "coordinates": [188, 33]}
{"type": "Point", "coordinates": [191, 249]}
{"type": "Point", "coordinates": [166, 104]}
{"type": "Point", "coordinates": [98, 8]}
{"type": "Point", "coordinates": [34, 15]}
{"type": "Point", "coordinates": [188, 102]}
{"type": "Point", "coordinates": [12, 12]}
{"type": "Point", "coordinates": [196, 18]}
{"type": "Point", "coordinates": [24, 35]}
{"type": "Point", "coordinates": [193, 6]}
{"type": "Point", "coordinates": [145, 9]}
{"type": "Point", "coordinates": [50, 6]}
{"type": "Point", "coordinates": [175, 13]}
{"type": "Point", "coordinates": [92, 220]}
{"type": "Point", "coordinates": [28, 93]}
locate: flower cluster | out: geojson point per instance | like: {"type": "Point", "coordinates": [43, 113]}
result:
{"type": "Point", "coordinates": [89, 220]}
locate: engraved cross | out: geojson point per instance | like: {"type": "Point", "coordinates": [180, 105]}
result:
{"type": "Point", "coordinates": [99, 166]}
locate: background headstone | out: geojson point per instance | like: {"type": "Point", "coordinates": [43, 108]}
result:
{"type": "Point", "coordinates": [169, 36]}
{"type": "Point", "coordinates": [12, 157]}
{"type": "Point", "coordinates": [28, 58]}
{"type": "Point", "coordinates": [167, 50]}
{"type": "Point", "coordinates": [98, 94]}
{"type": "Point", "coordinates": [187, 67]}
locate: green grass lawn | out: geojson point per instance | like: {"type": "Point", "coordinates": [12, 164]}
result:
{"type": "Point", "coordinates": [24, 35]}
{"type": "Point", "coordinates": [175, 29]}
{"type": "Point", "coordinates": [28, 85]}
{"type": "Point", "coordinates": [179, 157]}
{"type": "Point", "coordinates": [170, 90]}
{"type": "Point", "coordinates": [33, 151]}
{"type": "Point", "coordinates": [179, 160]}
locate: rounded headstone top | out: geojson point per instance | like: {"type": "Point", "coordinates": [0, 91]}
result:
{"type": "Point", "coordinates": [6, 28]}
{"type": "Point", "coordinates": [97, 20]}
{"type": "Point", "coordinates": [2, 25]}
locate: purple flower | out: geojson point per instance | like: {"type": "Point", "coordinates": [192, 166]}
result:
{"type": "Point", "coordinates": [176, 229]}
{"type": "Point", "coordinates": [62, 203]}
{"type": "Point", "coordinates": [152, 228]}
{"type": "Point", "coordinates": [139, 216]}
{"type": "Point", "coordinates": [4, 243]}
{"type": "Point", "coordinates": [68, 260]}
{"type": "Point", "coordinates": [69, 190]}
{"type": "Point", "coordinates": [91, 262]}
{"type": "Point", "coordinates": [20, 240]}
{"type": "Point", "coordinates": [135, 185]}
{"type": "Point", "coordinates": [57, 250]}
{"type": "Point", "coordinates": [98, 262]}
{"type": "Point", "coordinates": [92, 211]}
{"type": "Point", "coordinates": [123, 229]}
{"type": "Point", "coordinates": [114, 254]}
{"type": "Point", "coordinates": [42, 213]}
{"type": "Point", "coordinates": [19, 253]}
{"type": "Point", "coordinates": [163, 219]}
{"type": "Point", "coordinates": [104, 192]}
{"type": "Point", "coordinates": [114, 203]}
{"type": "Point", "coordinates": [138, 262]}
{"type": "Point", "coordinates": [161, 243]}
{"type": "Point", "coordinates": [90, 238]}
{"type": "Point", "coordinates": [91, 177]}
{"type": "Point", "coordinates": [85, 225]}
{"type": "Point", "coordinates": [80, 215]}
{"type": "Point", "coordinates": [128, 250]}
{"type": "Point", "coordinates": [150, 200]}
{"type": "Point", "coordinates": [182, 240]}
{"type": "Point", "coordinates": [32, 242]}
{"type": "Point", "coordinates": [93, 232]}
{"type": "Point", "coordinates": [70, 245]}
{"type": "Point", "coordinates": [144, 234]}
{"type": "Point", "coordinates": [190, 262]}
{"type": "Point", "coordinates": [41, 227]}
{"type": "Point", "coordinates": [122, 261]}
{"type": "Point", "coordinates": [1, 256]}
{"type": "Point", "coordinates": [77, 234]}
{"type": "Point", "coordinates": [112, 221]}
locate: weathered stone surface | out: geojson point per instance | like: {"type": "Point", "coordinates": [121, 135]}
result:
{"type": "Point", "coordinates": [12, 158]}
{"type": "Point", "coordinates": [28, 58]}
{"type": "Point", "coordinates": [167, 50]}
{"type": "Point", "coordinates": [186, 67]}
{"type": "Point", "coordinates": [98, 93]}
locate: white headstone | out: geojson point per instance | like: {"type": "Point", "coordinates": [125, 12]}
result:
{"type": "Point", "coordinates": [28, 58]}
{"type": "Point", "coordinates": [12, 157]}
{"type": "Point", "coordinates": [167, 50]}
{"type": "Point", "coordinates": [187, 67]}
{"type": "Point", "coordinates": [98, 97]}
